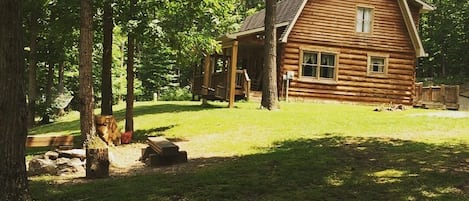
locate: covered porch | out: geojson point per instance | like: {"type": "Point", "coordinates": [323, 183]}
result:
{"type": "Point", "coordinates": [232, 74]}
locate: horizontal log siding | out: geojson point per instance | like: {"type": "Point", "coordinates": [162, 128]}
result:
{"type": "Point", "coordinates": [331, 25]}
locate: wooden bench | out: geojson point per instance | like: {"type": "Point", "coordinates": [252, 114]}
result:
{"type": "Point", "coordinates": [162, 152]}
{"type": "Point", "coordinates": [61, 142]}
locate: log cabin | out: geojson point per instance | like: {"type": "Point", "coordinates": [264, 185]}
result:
{"type": "Point", "coordinates": [361, 51]}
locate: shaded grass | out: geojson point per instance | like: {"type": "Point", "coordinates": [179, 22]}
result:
{"type": "Point", "coordinates": [330, 168]}
{"type": "Point", "coordinates": [302, 152]}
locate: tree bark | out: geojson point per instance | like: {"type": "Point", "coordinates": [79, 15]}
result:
{"type": "Point", "coordinates": [87, 125]}
{"type": "Point", "coordinates": [97, 163]}
{"type": "Point", "coordinates": [32, 85]}
{"type": "Point", "coordinates": [106, 83]}
{"type": "Point", "coordinates": [129, 110]}
{"type": "Point", "coordinates": [13, 120]}
{"type": "Point", "coordinates": [48, 90]}
{"type": "Point", "coordinates": [61, 86]}
{"type": "Point", "coordinates": [269, 89]}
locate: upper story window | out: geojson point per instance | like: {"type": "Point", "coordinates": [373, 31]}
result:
{"type": "Point", "coordinates": [364, 20]}
{"type": "Point", "coordinates": [319, 65]}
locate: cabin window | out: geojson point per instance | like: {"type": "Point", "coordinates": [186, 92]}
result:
{"type": "Point", "coordinates": [364, 20]}
{"type": "Point", "coordinates": [377, 64]}
{"type": "Point", "coordinates": [327, 66]}
{"type": "Point", "coordinates": [310, 64]}
{"type": "Point", "coordinates": [318, 65]}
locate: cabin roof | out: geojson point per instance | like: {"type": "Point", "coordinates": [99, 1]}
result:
{"type": "Point", "coordinates": [288, 12]}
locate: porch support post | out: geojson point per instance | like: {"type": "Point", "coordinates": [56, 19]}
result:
{"type": "Point", "coordinates": [232, 71]}
{"type": "Point", "coordinates": [207, 74]}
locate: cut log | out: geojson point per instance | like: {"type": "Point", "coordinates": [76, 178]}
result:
{"type": "Point", "coordinates": [97, 163]}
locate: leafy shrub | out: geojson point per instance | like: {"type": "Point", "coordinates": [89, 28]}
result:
{"type": "Point", "coordinates": [176, 94]}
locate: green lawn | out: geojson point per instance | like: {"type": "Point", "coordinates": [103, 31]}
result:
{"type": "Point", "coordinates": [302, 152]}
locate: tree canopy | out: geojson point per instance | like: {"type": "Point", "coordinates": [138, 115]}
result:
{"type": "Point", "coordinates": [171, 37]}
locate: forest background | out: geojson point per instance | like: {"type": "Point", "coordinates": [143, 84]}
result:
{"type": "Point", "coordinates": [171, 37]}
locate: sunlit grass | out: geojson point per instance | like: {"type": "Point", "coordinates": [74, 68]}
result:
{"type": "Point", "coordinates": [304, 151]}
{"type": "Point", "coordinates": [244, 129]}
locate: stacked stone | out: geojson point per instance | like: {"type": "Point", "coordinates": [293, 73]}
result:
{"type": "Point", "coordinates": [60, 163]}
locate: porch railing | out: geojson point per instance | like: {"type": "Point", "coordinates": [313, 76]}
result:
{"type": "Point", "coordinates": [243, 82]}
{"type": "Point", "coordinates": [219, 83]}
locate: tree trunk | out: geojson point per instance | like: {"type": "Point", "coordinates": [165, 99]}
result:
{"type": "Point", "coordinates": [269, 89]}
{"type": "Point", "coordinates": [32, 85]}
{"type": "Point", "coordinates": [13, 120]}
{"type": "Point", "coordinates": [86, 104]}
{"type": "Point", "coordinates": [106, 83]}
{"type": "Point", "coordinates": [61, 86]}
{"type": "Point", "coordinates": [129, 110]}
{"type": "Point", "coordinates": [48, 90]}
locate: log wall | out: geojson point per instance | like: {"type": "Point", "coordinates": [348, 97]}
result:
{"type": "Point", "coordinates": [330, 25]}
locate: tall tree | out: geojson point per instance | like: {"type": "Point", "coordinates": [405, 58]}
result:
{"type": "Point", "coordinates": [13, 120]}
{"type": "Point", "coordinates": [269, 89]}
{"type": "Point", "coordinates": [33, 13]}
{"type": "Point", "coordinates": [129, 110]}
{"type": "Point", "coordinates": [32, 86]}
{"type": "Point", "coordinates": [61, 85]}
{"type": "Point", "coordinates": [106, 83]}
{"type": "Point", "coordinates": [87, 125]}
{"type": "Point", "coordinates": [48, 93]}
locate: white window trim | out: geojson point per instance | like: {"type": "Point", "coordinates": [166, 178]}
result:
{"type": "Point", "coordinates": [386, 65]}
{"type": "Point", "coordinates": [372, 16]}
{"type": "Point", "coordinates": [318, 77]}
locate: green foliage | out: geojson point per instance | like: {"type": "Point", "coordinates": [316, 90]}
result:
{"type": "Point", "coordinates": [176, 94]}
{"type": "Point", "coordinates": [445, 37]}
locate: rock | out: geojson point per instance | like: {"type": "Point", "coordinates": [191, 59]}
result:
{"type": "Point", "coordinates": [69, 166]}
{"type": "Point", "coordinates": [52, 155]}
{"type": "Point", "coordinates": [42, 166]}
{"type": "Point", "coordinates": [62, 161]}
{"type": "Point", "coordinates": [39, 157]}
{"type": "Point", "coordinates": [75, 162]}
{"type": "Point", "coordinates": [73, 153]}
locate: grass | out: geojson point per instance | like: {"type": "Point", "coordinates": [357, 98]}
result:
{"type": "Point", "coordinates": [302, 152]}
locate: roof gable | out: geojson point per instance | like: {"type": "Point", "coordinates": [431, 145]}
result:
{"type": "Point", "coordinates": [286, 12]}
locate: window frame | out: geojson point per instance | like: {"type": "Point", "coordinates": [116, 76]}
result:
{"type": "Point", "coordinates": [317, 77]}
{"type": "Point", "coordinates": [369, 67]}
{"type": "Point", "coordinates": [372, 16]}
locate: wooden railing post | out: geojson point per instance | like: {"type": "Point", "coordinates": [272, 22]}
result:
{"type": "Point", "coordinates": [247, 84]}
{"type": "Point", "coordinates": [234, 59]}
{"type": "Point", "coordinates": [207, 75]}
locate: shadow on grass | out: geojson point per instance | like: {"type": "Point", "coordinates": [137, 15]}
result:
{"type": "Point", "coordinates": [331, 168]}
{"type": "Point", "coordinates": [141, 135]}
{"type": "Point", "coordinates": [164, 108]}
{"type": "Point", "coordinates": [120, 115]}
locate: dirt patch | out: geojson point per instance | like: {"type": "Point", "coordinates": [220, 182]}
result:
{"type": "Point", "coordinates": [464, 102]}
{"type": "Point", "coordinates": [445, 114]}
{"type": "Point", "coordinates": [125, 162]}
